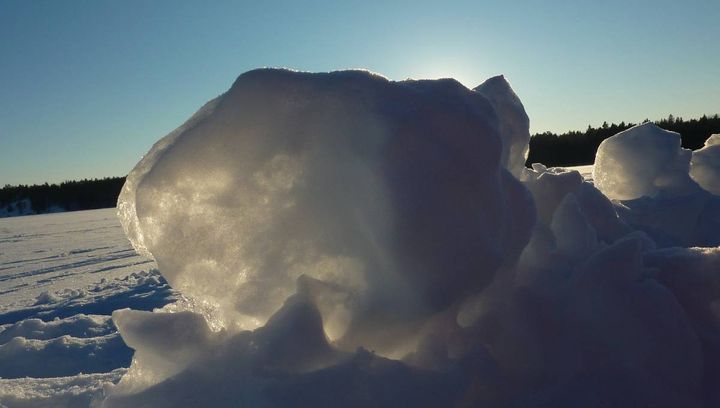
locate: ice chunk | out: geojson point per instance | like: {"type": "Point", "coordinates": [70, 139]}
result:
{"type": "Point", "coordinates": [514, 122]}
{"type": "Point", "coordinates": [385, 190]}
{"type": "Point", "coordinates": [549, 188]}
{"type": "Point", "coordinates": [644, 160]}
{"type": "Point", "coordinates": [705, 165]}
{"type": "Point", "coordinates": [646, 172]}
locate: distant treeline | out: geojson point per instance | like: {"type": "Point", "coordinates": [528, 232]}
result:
{"type": "Point", "coordinates": [577, 148]}
{"type": "Point", "coordinates": [66, 196]}
{"type": "Point", "coordinates": [568, 149]}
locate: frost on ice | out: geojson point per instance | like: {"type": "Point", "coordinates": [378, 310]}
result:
{"type": "Point", "coordinates": [345, 240]}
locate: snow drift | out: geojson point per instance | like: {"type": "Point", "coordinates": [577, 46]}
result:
{"type": "Point", "coordinates": [345, 240]}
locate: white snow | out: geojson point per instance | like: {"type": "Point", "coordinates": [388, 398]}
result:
{"type": "Point", "coordinates": [345, 240]}
{"type": "Point", "coordinates": [61, 275]}
{"type": "Point", "coordinates": [61, 392]}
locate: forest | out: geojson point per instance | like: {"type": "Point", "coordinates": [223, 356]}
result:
{"type": "Point", "coordinates": [573, 148]}
{"type": "Point", "coordinates": [577, 148]}
{"type": "Point", "coordinates": [67, 196]}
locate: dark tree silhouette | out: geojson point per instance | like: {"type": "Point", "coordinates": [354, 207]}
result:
{"type": "Point", "coordinates": [68, 196]}
{"type": "Point", "coordinates": [577, 148]}
{"type": "Point", "coordinates": [568, 149]}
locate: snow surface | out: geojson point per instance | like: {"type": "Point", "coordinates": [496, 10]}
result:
{"type": "Point", "coordinates": [344, 240]}
{"type": "Point", "coordinates": [61, 276]}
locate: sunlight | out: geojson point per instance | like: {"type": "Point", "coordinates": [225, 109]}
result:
{"type": "Point", "coordinates": [466, 73]}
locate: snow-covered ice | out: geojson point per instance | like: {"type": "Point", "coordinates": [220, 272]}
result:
{"type": "Point", "coordinates": [344, 240]}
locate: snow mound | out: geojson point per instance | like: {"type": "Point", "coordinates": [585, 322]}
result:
{"type": "Point", "coordinates": [80, 325]}
{"type": "Point", "coordinates": [62, 356]}
{"type": "Point", "coordinates": [644, 160]}
{"type": "Point", "coordinates": [61, 347]}
{"type": "Point", "coordinates": [705, 165]}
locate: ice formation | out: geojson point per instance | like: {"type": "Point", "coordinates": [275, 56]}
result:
{"type": "Point", "coordinates": [648, 174]}
{"type": "Point", "coordinates": [514, 122]}
{"type": "Point", "coordinates": [644, 160]}
{"type": "Point", "coordinates": [705, 165]}
{"type": "Point", "coordinates": [386, 193]}
{"type": "Point", "coordinates": [345, 240]}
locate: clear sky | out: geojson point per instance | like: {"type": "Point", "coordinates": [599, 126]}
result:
{"type": "Point", "coordinates": [86, 87]}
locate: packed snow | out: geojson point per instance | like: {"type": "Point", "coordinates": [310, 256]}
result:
{"type": "Point", "coordinates": [340, 239]}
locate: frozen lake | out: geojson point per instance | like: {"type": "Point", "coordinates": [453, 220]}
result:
{"type": "Point", "coordinates": [61, 276]}
{"type": "Point", "coordinates": [62, 252]}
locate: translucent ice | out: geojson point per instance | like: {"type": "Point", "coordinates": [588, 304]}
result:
{"type": "Point", "coordinates": [705, 165]}
{"type": "Point", "coordinates": [388, 193]}
{"type": "Point", "coordinates": [644, 160]}
{"type": "Point", "coordinates": [514, 122]}
{"type": "Point", "coordinates": [345, 240]}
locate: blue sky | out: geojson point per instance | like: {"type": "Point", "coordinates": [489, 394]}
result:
{"type": "Point", "coordinates": [86, 87]}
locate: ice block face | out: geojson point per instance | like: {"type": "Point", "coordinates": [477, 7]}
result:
{"type": "Point", "coordinates": [705, 165]}
{"type": "Point", "coordinates": [644, 160]}
{"type": "Point", "coordinates": [514, 122]}
{"type": "Point", "coordinates": [382, 195]}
